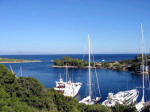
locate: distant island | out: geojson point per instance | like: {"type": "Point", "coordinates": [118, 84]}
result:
{"type": "Point", "coordinates": [7, 60]}
{"type": "Point", "coordinates": [70, 62]}
{"type": "Point", "coordinates": [131, 65]}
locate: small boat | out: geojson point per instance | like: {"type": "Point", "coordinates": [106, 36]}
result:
{"type": "Point", "coordinates": [67, 88]}
{"type": "Point", "coordinates": [122, 97]}
{"type": "Point", "coordinates": [89, 100]}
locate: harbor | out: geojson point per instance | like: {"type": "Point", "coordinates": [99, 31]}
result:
{"type": "Point", "coordinates": [48, 75]}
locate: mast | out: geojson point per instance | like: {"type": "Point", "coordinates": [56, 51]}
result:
{"type": "Point", "coordinates": [142, 60]}
{"type": "Point", "coordinates": [66, 73]}
{"type": "Point", "coordinates": [90, 92]}
{"type": "Point", "coordinates": [21, 71]}
{"type": "Point", "coordinates": [11, 69]}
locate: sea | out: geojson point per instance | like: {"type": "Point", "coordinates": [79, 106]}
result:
{"type": "Point", "coordinates": [108, 80]}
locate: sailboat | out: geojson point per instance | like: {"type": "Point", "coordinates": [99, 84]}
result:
{"type": "Point", "coordinates": [124, 97]}
{"type": "Point", "coordinates": [88, 100]}
{"type": "Point", "coordinates": [140, 105]}
{"type": "Point", "coordinates": [67, 88]}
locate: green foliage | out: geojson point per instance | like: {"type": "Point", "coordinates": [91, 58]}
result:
{"type": "Point", "coordinates": [97, 108]}
{"type": "Point", "coordinates": [123, 108]}
{"type": "Point", "coordinates": [12, 104]}
{"type": "Point", "coordinates": [15, 60]}
{"type": "Point", "coordinates": [64, 104]}
{"type": "Point", "coordinates": [71, 62]}
{"type": "Point", "coordinates": [118, 67]}
{"type": "Point", "coordinates": [24, 92]}
{"type": "Point", "coordinates": [105, 64]}
{"type": "Point", "coordinates": [134, 64]}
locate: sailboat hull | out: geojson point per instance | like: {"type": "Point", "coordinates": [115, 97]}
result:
{"type": "Point", "coordinates": [89, 101]}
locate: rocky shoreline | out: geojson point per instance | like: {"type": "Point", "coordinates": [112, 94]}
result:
{"type": "Point", "coordinates": [116, 66]}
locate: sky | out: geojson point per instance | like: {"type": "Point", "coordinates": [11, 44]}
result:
{"type": "Point", "coordinates": [62, 26]}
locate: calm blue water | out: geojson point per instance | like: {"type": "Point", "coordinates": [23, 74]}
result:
{"type": "Point", "coordinates": [110, 81]}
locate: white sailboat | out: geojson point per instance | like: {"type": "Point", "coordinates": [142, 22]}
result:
{"type": "Point", "coordinates": [88, 100]}
{"type": "Point", "coordinates": [67, 88]}
{"type": "Point", "coordinates": [140, 105]}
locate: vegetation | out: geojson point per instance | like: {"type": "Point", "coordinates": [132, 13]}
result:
{"type": "Point", "coordinates": [132, 65]}
{"type": "Point", "coordinates": [71, 62]}
{"type": "Point", "coordinates": [106, 64]}
{"type": "Point", "coordinates": [6, 60]}
{"type": "Point", "coordinates": [124, 108]}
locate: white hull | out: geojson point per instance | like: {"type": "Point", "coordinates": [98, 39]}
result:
{"type": "Point", "coordinates": [124, 97]}
{"type": "Point", "coordinates": [88, 102]}
{"type": "Point", "coordinates": [68, 88]}
{"type": "Point", "coordinates": [139, 106]}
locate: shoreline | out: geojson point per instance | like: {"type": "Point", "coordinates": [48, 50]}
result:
{"type": "Point", "coordinates": [55, 66]}
{"type": "Point", "coordinates": [21, 62]}
{"type": "Point", "coordinates": [74, 67]}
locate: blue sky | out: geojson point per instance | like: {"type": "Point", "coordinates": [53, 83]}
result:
{"type": "Point", "coordinates": [62, 26]}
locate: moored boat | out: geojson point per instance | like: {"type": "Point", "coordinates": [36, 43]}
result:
{"type": "Point", "coordinates": [122, 97]}
{"type": "Point", "coordinates": [67, 88]}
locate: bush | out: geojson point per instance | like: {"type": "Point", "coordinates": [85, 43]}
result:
{"type": "Point", "coordinates": [124, 108]}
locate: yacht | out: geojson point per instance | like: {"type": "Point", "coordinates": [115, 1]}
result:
{"type": "Point", "coordinates": [67, 88]}
{"type": "Point", "coordinates": [122, 97]}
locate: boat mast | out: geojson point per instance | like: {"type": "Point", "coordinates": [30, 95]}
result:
{"type": "Point", "coordinates": [21, 71]}
{"type": "Point", "coordinates": [142, 60]}
{"type": "Point", "coordinates": [66, 73]}
{"type": "Point", "coordinates": [90, 92]}
{"type": "Point", "coordinates": [11, 69]}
